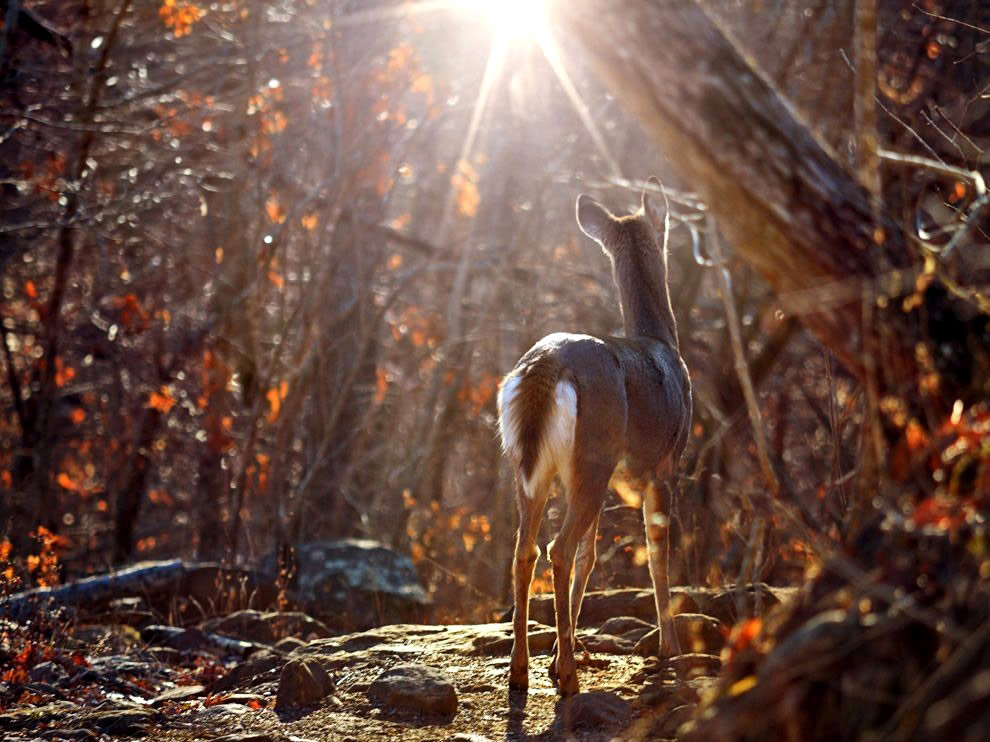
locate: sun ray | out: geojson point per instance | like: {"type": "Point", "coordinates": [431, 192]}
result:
{"type": "Point", "coordinates": [551, 52]}
{"type": "Point", "coordinates": [493, 68]}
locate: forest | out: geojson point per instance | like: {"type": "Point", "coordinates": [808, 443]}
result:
{"type": "Point", "coordinates": [265, 265]}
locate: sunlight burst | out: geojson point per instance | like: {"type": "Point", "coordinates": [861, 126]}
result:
{"type": "Point", "coordinates": [513, 18]}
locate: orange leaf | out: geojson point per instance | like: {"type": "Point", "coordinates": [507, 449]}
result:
{"type": "Point", "coordinates": [162, 400]}
{"type": "Point", "coordinates": [275, 403]}
{"type": "Point", "coordinates": [30, 289]}
{"type": "Point", "coordinates": [274, 210]}
{"type": "Point", "coordinates": [67, 482]}
{"type": "Point", "coordinates": [78, 415]}
{"type": "Point", "coordinates": [916, 436]}
{"type": "Point", "coordinates": [276, 279]}
{"type": "Point", "coordinates": [63, 374]}
{"type": "Point", "coordinates": [309, 221]}
{"type": "Point", "coordinates": [381, 385]}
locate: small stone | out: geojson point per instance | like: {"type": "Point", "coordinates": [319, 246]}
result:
{"type": "Point", "coordinates": [415, 688]}
{"type": "Point", "coordinates": [695, 665]}
{"type": "Point", "coordinates": [625, 625]}
{"type": "Point", "coordinates": [68, 734]}
{"type": "Point", "coordinates": [696, 632]}
{"type": "Point", "coordinates": [673, 719]}
{"type": "Point", "coordinates": [594, 709]}
{"type": "Point", "coordinates": [255, 667]}
{"type": "Point", "coordinates": [179, 693]}
{"type": "Point", "coordinates": [289, 643]}
{"type": "Point", "coordinates": [121, 721]}
{"type": "Point", "coordinates": [302, 683]}
{"type": "Point", "coordinates": [607, 644]}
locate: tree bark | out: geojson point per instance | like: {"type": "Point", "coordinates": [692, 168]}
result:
{"type": "Point", "coordinates": [781, 198]}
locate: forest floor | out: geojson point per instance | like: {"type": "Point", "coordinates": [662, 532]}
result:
{"type": "Point", "coordinates": [235, 679]}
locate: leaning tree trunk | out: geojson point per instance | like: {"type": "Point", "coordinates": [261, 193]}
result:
{"type": "Point", "coordinates": [783, 201]}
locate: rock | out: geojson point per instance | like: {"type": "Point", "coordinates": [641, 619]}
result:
{"type": "Point", "coordinates": [694, 665]}
{"type": "Point", "coordinates": [267, 627]}
{"type": "Point", "coordinates": [696, 632]}
{"type": "Point", "coordinates": [628, 627]}
{"type": "Point", "coordinates": [465, 737]}
{"type": "Point", "coordinates": [179, 693]}
{"type": "Point", "coordinates": [722, 605]}
{"type": "Point", "coordinates": [354, 584]}
{"type": "Point", "coordinates": [254, 668]}
{"type": "Point", "coordinates": [196, 640]}
{"type": "Point", "coordinates": [672, 720]}
{"type": "Point", "coordinates": [302, 683]}
{"type": "Point", "coordinates": [594, 709]}
{"type": "Point", "coordinates": [129, 720]}
{"type": "Point", "coordinates": [607, 644]}
{"type": "Point", "coordinates": [250, 737]}
{"type": "Point", "coordinates": [415, 688]}
{"type": "Point", "coordinates": [288, 644]}
{"type": "Point", "coordinates": [540, 640]}
{"type": "Point", "coordinates": [597, 607]}
{"type": "Point", "coordinates": [662, 692]}
{"type": "Point", "coordinates": [70, 734]}
{"type": "Point", "coordinates": [48, 672]}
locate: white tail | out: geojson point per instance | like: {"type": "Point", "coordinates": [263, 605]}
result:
{"type": "Point", "coordinates": [574, 407]}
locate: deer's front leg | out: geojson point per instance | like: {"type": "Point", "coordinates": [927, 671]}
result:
{"type": "Point", "coordinates": [658, 544]}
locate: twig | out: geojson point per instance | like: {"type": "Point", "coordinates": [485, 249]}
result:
{"type": "Point", "coordinates": [972, 176]}
{"type": "Point", "coordinates": [742, 369]}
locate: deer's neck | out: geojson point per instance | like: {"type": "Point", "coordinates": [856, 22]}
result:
{"type": "Point", "coordinates": [644, 297]}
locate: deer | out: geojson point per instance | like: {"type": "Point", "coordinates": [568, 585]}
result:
{"type": "Point", "coordinates": [573, 408]}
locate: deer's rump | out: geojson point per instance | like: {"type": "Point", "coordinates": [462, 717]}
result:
{"type": "Point", "coordinates": [633, 389]}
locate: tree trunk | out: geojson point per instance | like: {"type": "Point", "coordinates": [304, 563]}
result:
{"type": "Point", "coordinates": [782, 200]}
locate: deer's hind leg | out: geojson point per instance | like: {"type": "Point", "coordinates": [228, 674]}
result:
{"type": "Point", "coordinates": [586, 493]}
{"type": "Point", "coordinates": [530, 506]}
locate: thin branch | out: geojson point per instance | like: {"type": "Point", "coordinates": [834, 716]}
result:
{"type": "Point", "coordinates": [742, 369]}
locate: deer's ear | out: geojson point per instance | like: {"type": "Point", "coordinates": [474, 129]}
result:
{"type": "Point", "coordinates": [656, 218]}
{"type": "Point", "coordinates": [594, 219]}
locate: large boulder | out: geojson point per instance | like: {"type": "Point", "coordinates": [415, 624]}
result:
{"type": "Point", "coordinates": [354, 584]}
